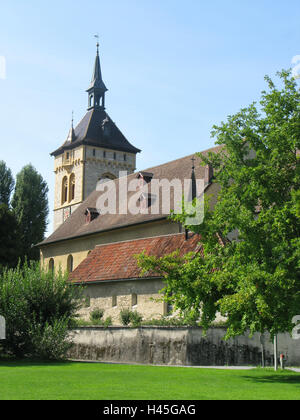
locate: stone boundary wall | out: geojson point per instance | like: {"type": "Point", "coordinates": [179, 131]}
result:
{"type": "Point", "coordinates": [178, 346]}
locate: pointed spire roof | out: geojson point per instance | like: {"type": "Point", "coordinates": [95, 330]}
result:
{"type": "Point", "coordinates": [71, 136]}
{"type": "Point", "coordinates": [97, 82]}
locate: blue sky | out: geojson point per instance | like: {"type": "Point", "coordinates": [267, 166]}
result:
{"type": "Point", "coordinates": [173, 69]}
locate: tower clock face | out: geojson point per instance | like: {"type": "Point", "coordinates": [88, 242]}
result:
{"type": "Point", "coordinates": [66, 213]}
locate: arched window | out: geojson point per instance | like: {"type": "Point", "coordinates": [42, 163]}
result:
{"type": "Point", "coordinates": [51, 265]}
{"type": "Point", "coordinates": [70, 263]}
{"type": "Point", "coordinates": [72, 187]}
{"type": "Point", "coordinates": [91, 100]}
{"type": "Point", "coordinates": [64, 192]}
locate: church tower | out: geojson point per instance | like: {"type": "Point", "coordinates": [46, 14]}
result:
{"type": "Point", "coordinates": [94, 150]}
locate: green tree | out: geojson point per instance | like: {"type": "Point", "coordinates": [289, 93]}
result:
{"type": "Point", "coordinates": [9, 238]}
{"type": "Point", "coordinates": [249, 270]}
{"type": "Point", "coordinates": [38, 307]}
{"type": "Point", "coordinates": [6, 183]}
{"type": "Point", "coordinates": [30, 204]}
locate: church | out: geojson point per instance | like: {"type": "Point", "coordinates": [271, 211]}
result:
{"type": "Point", "coordinates": [98, 248]}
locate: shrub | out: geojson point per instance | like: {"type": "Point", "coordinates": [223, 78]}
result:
{"type": "Point", "coordinates": [50, 341]}
{"type": "Point", "coordinates": [125, 316]}
{"type": "Point", "coordinates": [96, 314]}
{"type": "Point", "coordinates": [128, 317]}
{"type": "Point", "coordinates": [107, 322]}
{"type": "Point", "coordinates": [136, 319]}
{"type": "Point", "coordinates": [38, 307]}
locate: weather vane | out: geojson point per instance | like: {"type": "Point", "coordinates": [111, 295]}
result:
{"type": "Point", "coordinates": [97, 37]}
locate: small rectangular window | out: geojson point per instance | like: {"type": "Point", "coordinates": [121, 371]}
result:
{"type": "Point", "coordinates": [104, 154]}
{"type": "Point", "coordinates": [115, 156]}
{"type": "Point", "coordinates": [133, 299]}
{"type": "Point", "coordinates": [125, 158]}
{"type": "Point", "coordinates": [114, 301]}
{"type": "Point", "coordinates": [94, 152]}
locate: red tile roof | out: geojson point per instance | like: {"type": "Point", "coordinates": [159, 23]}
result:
{"type": "Point", "coordinates": [116, 261]}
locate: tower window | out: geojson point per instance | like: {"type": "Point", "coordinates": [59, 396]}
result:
{"type": "Point", "coordinates": [134, 299]}
{"type": "Point", "coordinates": [72, 187]}
{"type": "Point", "coordinates": [64, 195]}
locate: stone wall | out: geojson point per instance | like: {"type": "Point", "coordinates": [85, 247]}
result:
{"type": "Point", "coordinates": [146, 291]}
{"type": "Point", "coordinates": [178, 346]}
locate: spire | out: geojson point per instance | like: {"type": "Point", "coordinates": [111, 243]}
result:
{"type": "Point", "coordinates": [193, 178]}
{"type": "Point", "coordinates": [97, 89]}
{"type": "Point", "coordinates": [71, 135]}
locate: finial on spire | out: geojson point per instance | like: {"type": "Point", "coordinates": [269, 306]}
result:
{"type": "Point", "coordinates": [97, 45]}
{"type": "Point", "coordinates": [193, 160]}
{"type": "Point", "coordinates": [71, 135]}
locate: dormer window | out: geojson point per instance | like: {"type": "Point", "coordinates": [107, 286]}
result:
{"type": "Point", "coordinates": [106, 128]}
{"type": "Point", "coordinates": [91, 214]}
{"type": "Point", "coordinates": [144, 178]}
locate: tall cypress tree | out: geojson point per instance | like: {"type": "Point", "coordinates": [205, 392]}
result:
{"type": "Point", "coordinates": [30, 205]}
{"type": "Point", "coordinates": [6, 183]}
{"type": "Point", "coordinates": [9, 238]}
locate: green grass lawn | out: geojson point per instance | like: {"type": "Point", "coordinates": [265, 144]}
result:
{"type": "Point", "coordinates": [84, 381]}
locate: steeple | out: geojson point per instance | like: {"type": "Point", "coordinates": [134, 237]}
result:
{"type": "Point", "coordinates": [97, 89]}
{"type": "Point", "coordinates": [71, 136]}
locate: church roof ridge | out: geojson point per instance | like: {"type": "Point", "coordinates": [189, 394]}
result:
{"type": "Point", "coordinates": [75, 226]}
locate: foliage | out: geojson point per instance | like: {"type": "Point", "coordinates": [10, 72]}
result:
{"type": "Point", "coordinates": [9, 234]}
{"type": "Point", "coordinates": [6, 183]}
{"type": "Point", "coordinates": [96, 314]}
{"type": "Point", "coordinates": [136, 318]}
{"type": "Point", "coordinates": [130, 317]}
{"type": "Point", "coordinates": [125, 316]}
{"type": "Point", "coordinates": [50, 340]}
{"type": "Point", "coordinates": [30, 204]}
{"type": "Point", "coordinates": [107, 322]}
{"type": "Point", "coordinates": [248, 269]}
{"type": "Point", "coordinates": [38, 307]}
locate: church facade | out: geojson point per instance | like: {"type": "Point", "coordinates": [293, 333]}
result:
{"type": "Point", "coordinates": [98, 248]}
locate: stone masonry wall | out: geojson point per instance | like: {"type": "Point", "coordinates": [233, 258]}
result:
{"type": "Point", "coordinates": [178, 346]}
